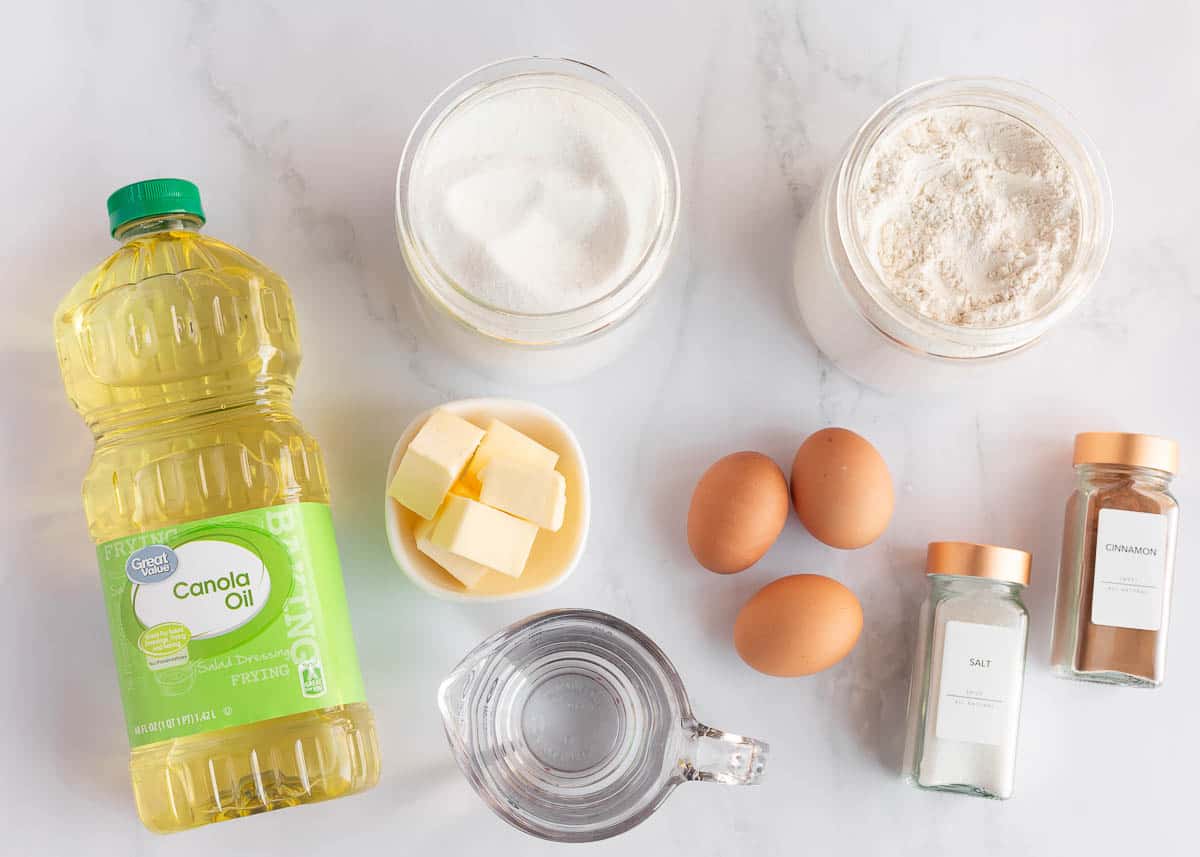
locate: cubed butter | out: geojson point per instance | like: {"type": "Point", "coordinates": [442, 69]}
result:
{"type": "Point", "coordinates": [434, 461]}
{"type": "Point", "coordinates": [484, 535]}
{"type": "Point", "coordinates": [464, 570]}
{"type": "Point", "coordinates": [533, 493]}
{"type": "Point", "coordinates": [462, 489]}
{"type": "Point", "coordinates": [503, 441]}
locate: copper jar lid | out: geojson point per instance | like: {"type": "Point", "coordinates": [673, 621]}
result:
{"type": "Point", "coordinates": [968, 559]}
{"type": "Point", "coordinates": [1132, 450]}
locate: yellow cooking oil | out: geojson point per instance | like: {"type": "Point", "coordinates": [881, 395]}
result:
{"type": "Point", "coordinates": [208, 503]}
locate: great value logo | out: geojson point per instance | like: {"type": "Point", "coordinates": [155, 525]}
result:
{"type": "Point", "coordinates": [216, 587]}
{"type": "Point", "coordinates": [151, 563]}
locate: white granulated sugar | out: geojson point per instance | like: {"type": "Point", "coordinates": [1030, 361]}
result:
{"type": "Point", "coordinates": [538, 199]}
{"type": "Point", "coordinates": [970, 216]}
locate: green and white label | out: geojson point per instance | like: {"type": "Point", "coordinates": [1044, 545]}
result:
{"type": "Point", "coordinates": [228, 621]}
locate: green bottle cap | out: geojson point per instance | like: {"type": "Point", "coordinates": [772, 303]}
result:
{"type": "Point", "coordinates": [153, 198]}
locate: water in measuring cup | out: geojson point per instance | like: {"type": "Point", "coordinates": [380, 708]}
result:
{"type": "Point", "coordinates": [571, 722]}
{"type": "Point", "coordinates": [577, 716]}
{"type": "Point", "coordinates": [570, 725]}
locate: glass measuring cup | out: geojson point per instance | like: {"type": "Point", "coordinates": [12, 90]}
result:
{"type": "Point", "coordinates": [573, 726]}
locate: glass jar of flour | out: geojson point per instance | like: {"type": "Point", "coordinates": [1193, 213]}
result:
{"type": "Point", "coordinates": [965, 219]}
{"type": "Point", "coordinates": [536, 205]}
{"type": "Point", "coordinates": [965, 692]}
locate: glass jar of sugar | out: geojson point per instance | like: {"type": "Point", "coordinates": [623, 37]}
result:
{"type": "Point", "coordinates": [964, 698]}
{"type": "Point", "coordinates": [966, 218]}
{"type": "Point", "coordinates": [537, 203]}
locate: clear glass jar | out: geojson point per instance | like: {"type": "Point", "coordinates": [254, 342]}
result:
{"type": "Point", "coordinates": [524, 346]}
{"type": "Point", "coordinates": [877, 338]}
{"type": "Point", "coordinates": [965, 692]}
{"type": "Point", "coordinates": [1114, 581]}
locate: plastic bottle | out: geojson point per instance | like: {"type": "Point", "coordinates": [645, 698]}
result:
{"type": "Point", "coordinates": [208, 503]}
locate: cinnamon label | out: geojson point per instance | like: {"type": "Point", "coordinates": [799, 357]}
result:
{"type": "Point", "coordinates": [1130, 569]}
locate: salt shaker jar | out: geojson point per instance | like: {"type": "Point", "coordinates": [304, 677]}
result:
{"type": "Point", "coordinates": [1114, 581]}
{"type": "Point", "coordinates": [965, 693]}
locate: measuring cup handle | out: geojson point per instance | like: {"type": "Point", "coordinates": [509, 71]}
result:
{"type": "Point", "coordinates": [722, 757]}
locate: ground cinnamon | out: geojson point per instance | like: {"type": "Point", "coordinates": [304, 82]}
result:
{"type": "Point", "coordinates": [1112, 627]}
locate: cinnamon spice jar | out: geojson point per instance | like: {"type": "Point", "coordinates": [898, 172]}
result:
{"type": "Point", "coordinates": [1114, 581]}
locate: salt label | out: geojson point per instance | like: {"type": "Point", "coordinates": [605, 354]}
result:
{"type": "Point", "coordinates": [980, 683]}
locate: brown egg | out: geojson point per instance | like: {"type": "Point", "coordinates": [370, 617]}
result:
{"type": "Point", "coordinates": [841, 488]}
{"type": "Point", "coordinates": [738, 509]}
{"type": "Point", "coordinates": [798, 625]}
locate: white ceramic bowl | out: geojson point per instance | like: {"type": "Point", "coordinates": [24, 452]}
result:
{"type": "Point", "coordinates": [554, 555]}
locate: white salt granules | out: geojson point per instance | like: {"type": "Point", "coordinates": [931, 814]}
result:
{"type": "Point", "coordinates": [538, 198]}
{"type": "Point", "coordinates": [969, 216]}
{"type": "Point", "coordinates": [938, 761]}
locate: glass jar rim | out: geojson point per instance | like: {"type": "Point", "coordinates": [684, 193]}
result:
{"type": "Point", "coordinates": [1049, 119]}
{"type": "Point", "coordinates": [1091, 470]}
{"type": "Point", "coordinates": [522, 328]}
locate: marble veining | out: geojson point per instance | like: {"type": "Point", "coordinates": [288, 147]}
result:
{"type": "Point", "coordinates": [291, 118]}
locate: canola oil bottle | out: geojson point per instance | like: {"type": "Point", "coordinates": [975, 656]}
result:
{"type": "Point", "coordinates": [208, 503]}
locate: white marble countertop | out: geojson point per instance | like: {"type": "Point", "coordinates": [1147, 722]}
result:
{"type": "Point", "coordinates": [291, 118]}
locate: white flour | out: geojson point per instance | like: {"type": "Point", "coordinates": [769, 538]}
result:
{"type": "Point", "coordinates": [969, 216]}
{"type": "Point", "coordinates": [538, 199]}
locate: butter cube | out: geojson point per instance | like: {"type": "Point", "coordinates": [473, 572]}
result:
{"type": "Point", "coordinates": [503, 441]}
{"type": "Point", "coordinates": [462, 489]}
{"type": "Point", "coordinates": [484, 535]}
{"type": "Point", "coordinates": [466, 572]}
{"type": "Point", "coordinates": [433, 462]}
{"type": "Point", "coordinates": [533, 493]}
